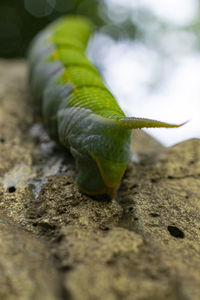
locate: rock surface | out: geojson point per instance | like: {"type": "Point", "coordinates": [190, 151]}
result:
{"type": "Point", "coordinates": [59, 244]}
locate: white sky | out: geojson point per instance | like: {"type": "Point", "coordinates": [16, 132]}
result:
{"type": "Point", "coordinates": [179, 12]}
{"type": "Point", "coordinates": [132, 69]}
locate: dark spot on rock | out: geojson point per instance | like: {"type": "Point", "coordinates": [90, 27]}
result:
{"type": "Point", "coordinates": [110, 262]}
{"type": "Point", "coordinates": [135, 218]}
{"type": "Point", "coordinates": [170, 177]}
{"type": "Point", "coordinates": [59, 238]}
{"type": "Point", "coordinates": [130, 208]}
{"type": "Point", "coordinates": [68, 182]}
{"type": "Point", "coordinates": [126, 201]}
{"type": "Point", "coordinates": [46, 225]}
{"type": "Point", "coordinates": [191, 162]}
{"type": "Point", "coordinates": [11, 189]}
{"type": "Point", "coordinates": [176, 232]}
{"type": "Point", "coordinates": [62, 211]}
{"type": "Point", "coordinates": [66, 268]}
{"type": "Point", "coordinates": [154, 215]}
{"type": "Point", "coordinates": [2, 140]}
{"type": "Point", "coordinates": [35, 224]}
{"type": "Point", "coordinates": [104, 227]}
{"type": "Point", "coordinates": [103, 198]}
{"type": "Point", "coordinates": [161, 206]}
{"type": "Point", "coordinates": [134, 186]}
{"type": "Point", "coordinates": [153, 180]}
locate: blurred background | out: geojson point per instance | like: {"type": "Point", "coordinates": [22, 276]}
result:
{"type": "Point", "coordinates": [148, 52]}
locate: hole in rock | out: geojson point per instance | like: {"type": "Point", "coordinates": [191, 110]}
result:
{"type": "Point", "coordinates": [11, 189]}
{"type": "Point", "coordinates": [176, 232]}
{"type": "Point", "coordinates": [154, 215]}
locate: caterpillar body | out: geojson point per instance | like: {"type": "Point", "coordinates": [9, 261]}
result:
{"type": "Point", "coordinates": [77, 108]}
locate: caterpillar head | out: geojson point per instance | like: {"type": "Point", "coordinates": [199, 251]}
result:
{"type": "Point", "coordinates": [99, 176]}
{"type": "Point", "coordinates": [101, 171]}
{"type": "Point", "coordinates": [102, 163]}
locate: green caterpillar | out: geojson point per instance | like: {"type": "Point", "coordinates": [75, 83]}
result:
{"type": "Point", "coordinates": [77, 109]}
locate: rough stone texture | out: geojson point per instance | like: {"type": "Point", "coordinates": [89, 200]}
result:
{"type": "Point", "coordinates": [59, 244]}
{"type": "Point", "coordinates": [26, 268]}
